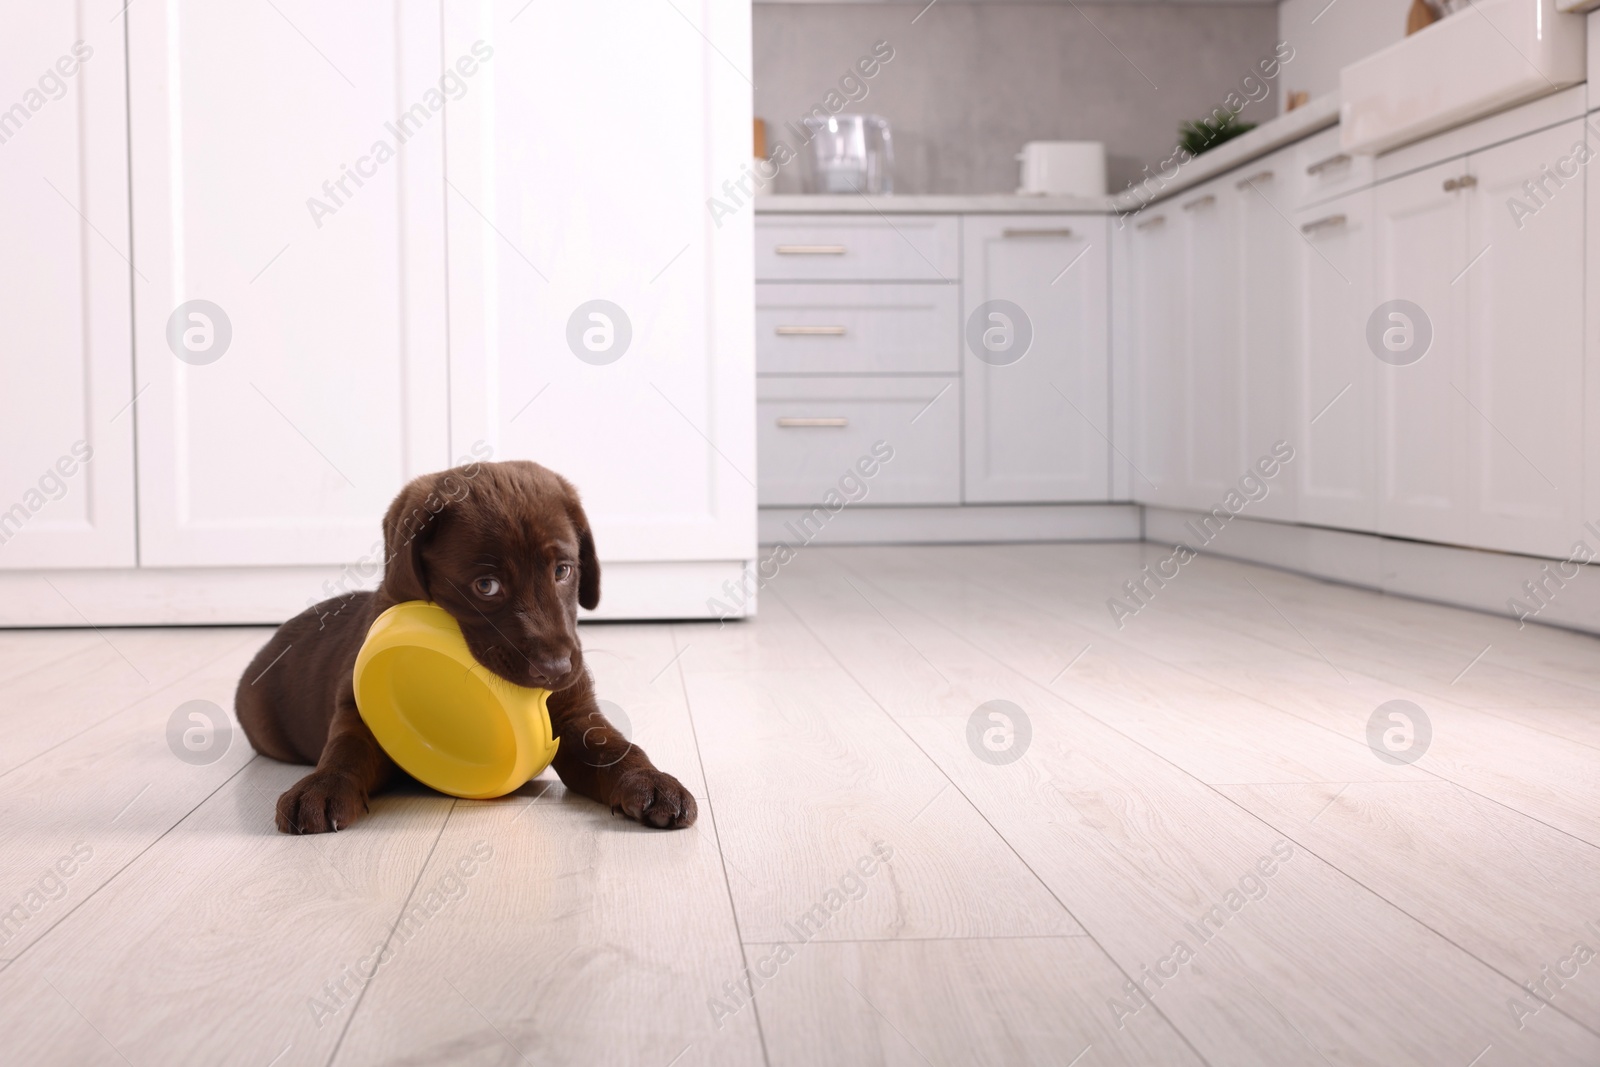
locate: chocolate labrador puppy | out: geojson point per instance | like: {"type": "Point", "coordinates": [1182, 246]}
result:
{"type": "Point", "coordinates": [506, 549]}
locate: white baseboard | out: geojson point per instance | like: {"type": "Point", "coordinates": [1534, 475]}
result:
{"type": "Point", "coordinates": [950, 525]}
{"type": "Point", "coordinates": [1461, 577]}
{"type": "Point", "coordinates": [216, 596]}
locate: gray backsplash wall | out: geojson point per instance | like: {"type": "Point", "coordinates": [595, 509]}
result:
{"type": "Point", "coordinates": [969, 83]}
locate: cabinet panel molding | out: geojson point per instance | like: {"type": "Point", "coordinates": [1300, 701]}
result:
{"type": "Point", "coordinates": [64, 285]}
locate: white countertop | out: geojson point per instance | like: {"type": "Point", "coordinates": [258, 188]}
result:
{"type": "Point", "coordinates": [952, 204]}
{"type": "Point", "coordinates": [1269, 136]}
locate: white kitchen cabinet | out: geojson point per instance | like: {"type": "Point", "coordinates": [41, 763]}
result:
{"type": "Point", "coordinates": [601, 317]}
{"type": "Point", "coordinates": [1213, 383]}
{"type": "Point", "coordinates": [1264, 303]}
{"type": "Point", "coordinates": [1334, 373]}
{"type": "Point", "coordinates": [1477, 448]}
{"type": "Point", "coordinates": [1420, 252]}
{"type": "Point", "coordinates": [287, 171]}
{"type": "Point", "coordinates": [64, 291]}
{"type": "Point", "coordinates": [1589, 450]}
{"type": "Point", "coordinates": [1036, 358]}
{"type": "Point", "coordinates": [283, 173]}
{"type": "Point", "coordinates": [1155, 319]}
{"type": "Point", "coordinates": [1524, 329]}
{"type": "Point", "coordinates": [1212, 284]}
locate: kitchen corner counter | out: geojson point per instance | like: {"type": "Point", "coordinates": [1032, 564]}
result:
{"type": "Point", "coordinates": [984, 204]}
{"type": "Point", "coordinates": [1273, 134]}
{"type": "Point", "coordinates": [1269, 136]}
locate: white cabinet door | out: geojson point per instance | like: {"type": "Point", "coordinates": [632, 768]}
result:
{"type": "Point", "coordinates": [1590, 450]}
{"type": "Point", "coordinates": [1266, 271]}
{"type": "Point", "coordinates": [1334, 371]}
{"type": "Point", "coordinates": [1156, 320]}
{"type": "Point", "coordinates": [601, 311]}
{"type": "Point", "coordinates": [1036, 361]}
{"type": "Point", "coordinates": [1214, 387]}
{"type": "Point", "coordinates": [287, 175]}
{"type": "Point", "coordinates": [68, 350]}
{"type": "Point", "coordinates": [1524, 345]}
{"type": "Point", "coordinates": [1419, 347]}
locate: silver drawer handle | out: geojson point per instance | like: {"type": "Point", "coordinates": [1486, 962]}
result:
{"type": "Point", "coordinates": [1036, 233]}
{"type": "Point", "coordinates": [1331, 161]}
{"type": "Point", "coordinates": [1466, 181]}
{"type": "Point", "coordinates": [1203, 201]}
{"type": "Point", "coordinates": [809, 250]}
{"type": "Point", "coordinates": [810, 331]}
{"type": "Point", "coordinates": [795, 423]}
{"type": "Point", "coordinates": [1159, 220]}
{"type": "Point", "coordinates": [1259, 176]}
{"type": "Point", "coordinates": [1323, 223]}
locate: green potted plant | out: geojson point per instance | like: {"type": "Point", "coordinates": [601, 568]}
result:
{"type": "Point", "coordinates": [1201, 134]}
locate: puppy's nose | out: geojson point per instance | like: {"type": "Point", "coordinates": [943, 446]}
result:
{"type": "Point", "coordinates": [551, 668]}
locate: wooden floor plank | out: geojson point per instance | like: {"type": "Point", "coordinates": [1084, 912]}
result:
{"type": "Point", "coordinates": [996, 1001]}
{"type": "Point", "coordinates": [1015, 912]}
{"type": "Point", "coordinates": [111, 792]}
{"type": "Point", "coordinates": [1511, 891]}
{"type": "Point", "coordinates": [813, 781]}
{"type": "Point", "coordinates": [576, 939]}
{"type": "Point", "coordinates": [1528, 769]}
{"type": "Point", "coordinates": [1090, 811]}
{"type": "Point", "coordinates": [1213, 732]}
{"type": "Point", "coordinates": [85, 689]}
{"type": "Point", "coordinates": [210, 946]}
{"type": "Point", "coordinates": [24, 652]}
{"type": "Point", "coordinates": [635, 671]}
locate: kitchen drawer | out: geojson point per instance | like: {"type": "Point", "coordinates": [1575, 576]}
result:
{"type": "Point", "coordinates": [859, 248]}
{"type": "Point", "coordinates": [858, 329]}
{"type": "Point", "coordinates": [1324, 170]}
{"type": "Point", "coordinates": [812, 432]}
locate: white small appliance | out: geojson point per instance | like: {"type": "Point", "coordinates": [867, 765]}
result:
{"type": "Point", "coordinates": [1063, 168]}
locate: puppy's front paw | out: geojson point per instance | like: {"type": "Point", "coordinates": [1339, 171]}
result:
{"type": "Point", "coordinates": [320, 802]}
{"type": "Point", "coordinates": [655, 799]}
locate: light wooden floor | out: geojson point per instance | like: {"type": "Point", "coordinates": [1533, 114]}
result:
{"type": "Point", "coordinates": [1166, 762]}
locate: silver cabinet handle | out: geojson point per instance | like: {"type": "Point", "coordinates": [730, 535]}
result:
{"type": "Point", "coordinates": [1204, 201]}
{"type": "Point", "coordinates": [1323, 223]}
{"type": "Point", "coordinates": [1159, 220]}
{"type": "Point", "coordinates": [1466, 181]}
{"type": "Point", "coordinates": [1036, 233]}
{"type": "Point", "coordinates": [789, 423]}
{"type": "Point", "coordinates": [810, 331]}
{"type": "Point", "coordinates": [809, 250]}
{"type": "Point", "coordinates": [1323, 164]}
{"type": "Point", "coordinates": [1258, 176]}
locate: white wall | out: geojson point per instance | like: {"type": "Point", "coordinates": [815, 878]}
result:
{"type": "Point", "coordinates": [1328, 36]}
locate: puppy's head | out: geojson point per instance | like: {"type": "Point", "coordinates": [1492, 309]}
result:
{"type": "Point", "coordinates": [506, 549]}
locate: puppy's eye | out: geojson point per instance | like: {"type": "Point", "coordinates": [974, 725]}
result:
{"type": "Point", "coordinates": [486, 586]}
{"type": "Point", "coordinates": [563, 571]}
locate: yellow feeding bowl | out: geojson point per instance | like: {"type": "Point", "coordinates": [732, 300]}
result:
{"type": "Point", "coordinates": [443, 717]}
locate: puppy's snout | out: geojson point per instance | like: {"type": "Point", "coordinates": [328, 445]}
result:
{"type": "Point", "coordinates": [549, 668]}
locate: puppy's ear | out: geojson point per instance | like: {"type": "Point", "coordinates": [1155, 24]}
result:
{"type": "Point", "coordinates": [588, 562]}
{"type": "Point", "coordinates": [410, 524]}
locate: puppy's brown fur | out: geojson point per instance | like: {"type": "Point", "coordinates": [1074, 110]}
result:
{"type": "Point", "coordinates": [506, 549]}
